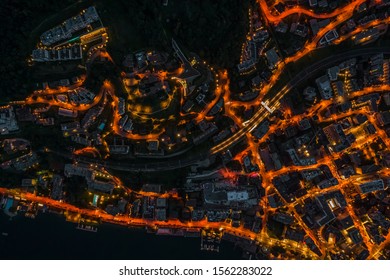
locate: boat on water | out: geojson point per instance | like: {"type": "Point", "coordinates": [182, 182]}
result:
{"type": "Point", "coordinates": [87, 227]}
{"type": "Point", "coordinates": [4, 233]}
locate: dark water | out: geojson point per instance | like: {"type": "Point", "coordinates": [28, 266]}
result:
{"type": "Point", "coordinates": [49, 236]}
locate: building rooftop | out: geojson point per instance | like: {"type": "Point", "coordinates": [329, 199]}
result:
{"type": "Point", "coordinates": [8, 121]}
{"type": "Point", "coordinates": [272, 58]}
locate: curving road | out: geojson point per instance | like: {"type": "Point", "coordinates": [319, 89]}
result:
{"type": "Point", "coordinates": [300, 10]}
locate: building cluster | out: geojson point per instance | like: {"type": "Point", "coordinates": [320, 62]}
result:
{"type": "Point", "coordinates": [73, 52]}
{"type": "Point", "coordinates": [137, 62]}
{"type": "Point", "coordinates": [52, 184]}
{"type": "Point", "coordinates": [15, 205]}
{"type": "Point", "coordinates": [150, 204]}
{"type": "Point", "coordinates": [79, 130]}
{"type": "Point", "coordinates": [77, 96]}
{"type": "Point", "coordinates": [320, 162]}
{"type": "Point", "coordinates": [21, 163]}
{"type": "Point", "coordinates": [72, 122]}
{"type": "Point", "coordinates": [65, 30]}
{"type": "Point", "coordinates": [68, 41]}
{"type": "Point", "coordinates": [125, 123]}
{"type": "Point", "coordinates": [257, 39]}
{"type": "Point", "coordinates": [59, 84]}
{"type": "Point", "coordinates": [152, 78]}
{"type": "Point", "coordinates": [293, 31]}
{"type": "Point", "coordinates": [220, 199]}
{"type": "Point", "coordinates": [333, 157]}
{"type": "Point", "coordinates": [8, 122]}
{"type": "Point", "coordinates": [149, 86]}
{"type": "Point", "coordinates": [97, 180]}
{"type": "Point", "coordinates": [145, 79]}
{"type": "Point", "coordinates": [367, 16]}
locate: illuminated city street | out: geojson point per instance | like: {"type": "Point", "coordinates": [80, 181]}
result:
{"type": "Point", "coordinates": [283, 150]}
